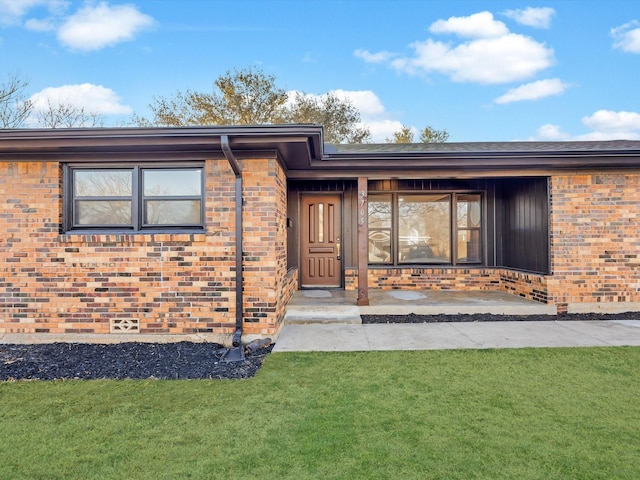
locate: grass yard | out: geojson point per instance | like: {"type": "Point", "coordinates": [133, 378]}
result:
{"type": "Point", "coordinates": [517, 414]}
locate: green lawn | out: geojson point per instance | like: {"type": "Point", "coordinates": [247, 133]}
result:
{"type": "Point", "coordinates": [516, 414]}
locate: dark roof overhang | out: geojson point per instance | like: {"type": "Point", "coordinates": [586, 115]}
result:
{"type": "Point", "coordinates": [289, 142]}
{"type": "Point", "coordinates": [472, 159]}
{"type": "Point", "coordinates": [301, 152]}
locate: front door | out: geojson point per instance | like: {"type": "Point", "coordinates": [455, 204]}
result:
{"type": "Point", "coordinates": [321, 262]}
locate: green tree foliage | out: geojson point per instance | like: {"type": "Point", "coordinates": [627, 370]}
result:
{"type": "Point", "coordinates": [250, 97]}
{"type": "Point", "coordinates": [339, 118]}
{"type": "Point", "coordinates": [431, 135]}
{"type": "Point", "coordinates": [404, 135]}
{"type": "Point", "coordinates": [427, 135]}
{"type": "Point", "coordinates": [242, 97]}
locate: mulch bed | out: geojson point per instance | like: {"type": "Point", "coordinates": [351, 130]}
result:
{"type": "Point", "coordinates": [135, 360]}
{"type": "Point", "coordinates": [487, 317]}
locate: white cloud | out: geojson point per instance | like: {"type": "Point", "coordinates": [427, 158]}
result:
{"type": "Point", "coordinates": [369, 57]}
{"type": "Point", "coordinates": [91, 98]}
{"type": "Point", "coordinates": [604, 125]}
{"type": "Point", "coordinates": [97, 26]}
{"type": "Point", "coordinates": [44, 25]}
{"type": "Point", "coordinates": [532, 17]}
{"type": "Point", "coordinates": [492, 55]}
{"type": "Point", "coordinates": [373, 113]}
{"type": "Point", "coordinates": [383, 129]}
{"type": "Point", "coordinates": [627, 37]}
{"type": "Point", "coordinates": [375, 117]}
{"type": "Point", "coordinates": [534, 91]}
{"type": "Point", "coordinates": [502, 59]}
{"type": "Point", "coordinates": [365, 101]}
{"type": "Point", "coordinates": [608, 121]}
{"type": "Point", "coordinates": [13, 11]}
{"type": "Point", "coordinates": [92, 27]}
{"type": "Point", "coordinates": [478, 25]}
{"type": "Point", "coordinates": [551, 132]}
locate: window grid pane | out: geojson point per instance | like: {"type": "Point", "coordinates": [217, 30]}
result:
{"type": "Point", "coordinates": [103, 183]}
{"type": "Point", "coordinates": [172, 183]}
{"type": "Point", "coordinates": [469, 246]}
{"type": "Point", "coordinates": [380, 229]}
{"type": "Point", "coordinates": [172, 212]}
{"type": "Point", "coordinates": [103, 212]}
{"type": "Point", "coordinates": [424, 228]}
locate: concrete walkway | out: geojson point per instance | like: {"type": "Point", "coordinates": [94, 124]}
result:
{"type": "Point", "coordinates": [337, 337]}
{"type": "Point", "coordinates": [334, 337]}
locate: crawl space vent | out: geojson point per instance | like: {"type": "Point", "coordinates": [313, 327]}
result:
{"type": "Point", "coordinates": [125, 325]}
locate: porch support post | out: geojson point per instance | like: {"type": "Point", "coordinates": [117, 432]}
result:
{"type": "Point", "coordinates": [363, 240]}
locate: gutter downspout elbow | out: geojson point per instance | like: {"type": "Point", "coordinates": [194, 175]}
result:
{"type": "Point", "coordinates": [236, 353]}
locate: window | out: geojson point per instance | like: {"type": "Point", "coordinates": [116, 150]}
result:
{"type": "Point", "coordinates": [134, 198]}
{"type": "Point", "coordinates": [425, 228]}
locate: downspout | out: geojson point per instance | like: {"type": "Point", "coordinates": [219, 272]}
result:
{"type": "Point", "coordinates": [236, 352]}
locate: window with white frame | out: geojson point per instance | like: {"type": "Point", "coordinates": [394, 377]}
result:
{"type": "Point", "coordinates": [134, 198]}
{"type": "Point", "coordinates": [425, 228]}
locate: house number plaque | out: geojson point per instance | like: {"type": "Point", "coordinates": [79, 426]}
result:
{"type": "Point", "coordinates": [362, 207]}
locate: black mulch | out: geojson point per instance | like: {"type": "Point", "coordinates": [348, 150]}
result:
{"type": "Point", "coordinates": [182, 360]}
{"type": "Point", "coordinates": [487, 317]}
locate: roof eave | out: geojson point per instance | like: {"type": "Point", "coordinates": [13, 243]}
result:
{"type": "Point", "coordinates": [44, 144]}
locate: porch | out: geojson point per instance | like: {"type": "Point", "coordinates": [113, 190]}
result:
{"type": "Point", "coordinates": [339, 306]}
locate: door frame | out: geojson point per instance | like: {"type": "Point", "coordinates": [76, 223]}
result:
{"type": "Point", "coordinates": [302, 218]}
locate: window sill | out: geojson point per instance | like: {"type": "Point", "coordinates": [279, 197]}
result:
{"type": "Point", "coordinates": [132, 237]}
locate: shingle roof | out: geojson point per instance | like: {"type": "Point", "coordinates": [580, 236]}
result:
{"type": "Point", "coordinates": [483, 147]}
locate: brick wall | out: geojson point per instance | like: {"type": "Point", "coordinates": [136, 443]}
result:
{"type": "Point", "coordinates": [159, 283]}
{"type": "Point", "coordinates": [526, 285]}
{"type": "Point", "coordinates": [267, 287]}
{"type": "Point", "coordinates": [595, 242]}
{"type": "Point", "coordinates": [434, 278]}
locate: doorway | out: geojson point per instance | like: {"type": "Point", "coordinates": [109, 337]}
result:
{"type": "Point", "coordinates": [321, 241]}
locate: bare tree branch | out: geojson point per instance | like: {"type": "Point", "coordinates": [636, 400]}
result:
{"type": "Point", "coordinates": [14, 106]}
{"type": "Point", "coordinates": [67, 115]}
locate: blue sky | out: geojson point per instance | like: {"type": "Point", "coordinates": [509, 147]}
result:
{"type": "Point", "coordinates": [482, 70]}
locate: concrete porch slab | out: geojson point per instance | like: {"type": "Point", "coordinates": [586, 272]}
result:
{"type": "Point", "coordinates": [339, 306]}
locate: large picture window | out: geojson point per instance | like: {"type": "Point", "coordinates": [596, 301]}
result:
{"type": "Point", "coordinates": [134, 198]}
{"type": "Point", "coordinates": [425, 228]}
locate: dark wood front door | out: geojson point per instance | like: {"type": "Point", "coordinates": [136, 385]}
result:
{"type": "Point", "coordinates": [321, 249]}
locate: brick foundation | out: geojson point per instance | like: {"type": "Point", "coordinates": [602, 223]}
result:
{"type": "Point", "coordinates": [526, 285]}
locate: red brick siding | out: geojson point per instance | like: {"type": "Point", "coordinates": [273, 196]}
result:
{"type": "Point", "coordinates": [170, 283]}
{"type": "Point", "coordinates": [527, 285]}
{"type": "Point", "coordinates": [265, 246]}
{"type": "Point", "coordinates": [530, 286]}
{"type": "Point", "coordinates": [595, 240]}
